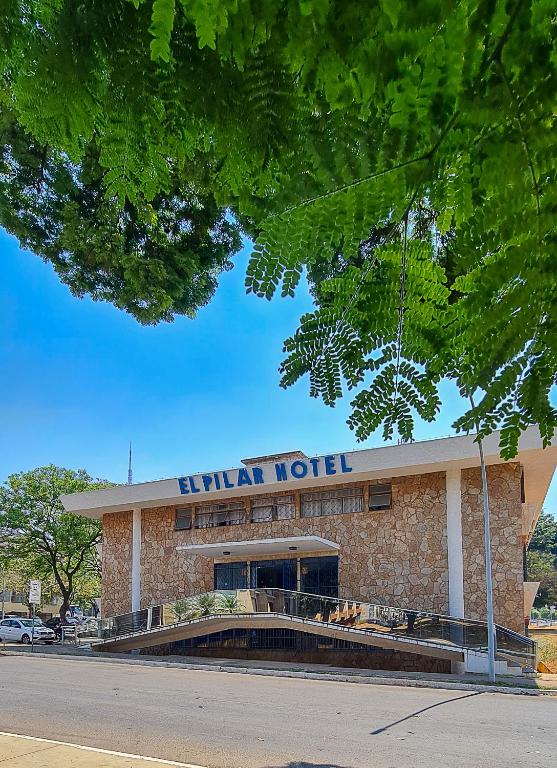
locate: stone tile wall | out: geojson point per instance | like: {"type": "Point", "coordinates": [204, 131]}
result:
{"type": "Point", "coordinates": [116, 563]}
{"type": "Point", "coordinates": [166, 574]}
{"type": "Point", "coordinates": [396, 556]}
{"type": "Point", "coordinates": [506, 544]}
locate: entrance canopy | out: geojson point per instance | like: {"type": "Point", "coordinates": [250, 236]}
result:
{"type": "Point", "coordinates": [255, 547]}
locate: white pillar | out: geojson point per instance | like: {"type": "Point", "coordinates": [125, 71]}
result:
{"type": "Point", "coordinates": [136, 559]}
{"type": "Point", "coordinates": [454, 543]}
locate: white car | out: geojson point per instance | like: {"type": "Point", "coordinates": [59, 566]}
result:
{"type": "Point", "coordinates": [21, 631]}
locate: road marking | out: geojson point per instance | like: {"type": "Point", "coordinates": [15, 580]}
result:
{"type": "Point", "coordinates": [103, 751]}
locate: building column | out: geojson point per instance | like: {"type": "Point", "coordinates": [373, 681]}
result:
{"type": "Point", "coordinates": [454, 543]}
{"type": "Point", "coordinates": [136, 559]}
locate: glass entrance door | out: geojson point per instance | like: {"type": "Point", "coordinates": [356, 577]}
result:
{"type": "Point", "coordinates": [319, 575]}
{"type": "Point", "coordinates": [273, 574]}
{"type": "Point", "coordinates": [231, 575]}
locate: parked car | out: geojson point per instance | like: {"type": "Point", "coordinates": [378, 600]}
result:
{"type": "Point", "coordinates": [89, 626]}
{"type": "Point", "coordinates": [22, 630]}
{"type": "Point", "coordinates": [56, 624]}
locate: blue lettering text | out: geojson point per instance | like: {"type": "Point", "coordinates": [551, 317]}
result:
{"type": "Point", "coordinates": [330, 465]}
{"type": "Point", "coordinates": [299, 469]}
{"type": "Point", "coordinates": [280, 469]}
{"type": "Point", "coordinates": [343, 465]}
{"type": "Point", "coordinates": [314, 463]}
{"type": "Point", "coordinates": [183, 483]}
{"type": "Point", "coordinates": [243, 477]}
{"type": "Point", "coordinates": [257, 475]}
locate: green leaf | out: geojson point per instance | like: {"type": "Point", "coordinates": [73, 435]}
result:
{"type": "Point", "coordinates": [162, 23]}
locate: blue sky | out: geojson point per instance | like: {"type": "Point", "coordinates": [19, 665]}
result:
{"type": "Point", "coordinates": [80, 379]}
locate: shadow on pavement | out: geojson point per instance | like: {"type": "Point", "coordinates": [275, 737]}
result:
{"type": "Point", "coordinates": [421, 711]}
{"type": "Point", "coordinates": [303, 764]}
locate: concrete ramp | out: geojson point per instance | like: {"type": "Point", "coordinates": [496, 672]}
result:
{"type": "Point", "coordinates": [185, 630]}
{"type": "Point", "coordinates": [404, 629]}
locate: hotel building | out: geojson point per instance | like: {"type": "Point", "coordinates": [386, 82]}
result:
{"type": "Point", "coordinates": [395, 526]}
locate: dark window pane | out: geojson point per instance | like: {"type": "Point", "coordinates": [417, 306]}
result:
{"type": "Point", "coordinates": [231, 575]}
{"type": "Point", "coordinates": [319, 575]}
{"type": "Point", "coordinates": [183, 519]}
{"type": "Point", "coordinates": [275, 639]}
{"type": "Point", "coordinates": [273, 574]}
{"type": "Point", "coordinates": [380, 496]}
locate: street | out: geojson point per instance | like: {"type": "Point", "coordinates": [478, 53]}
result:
{"type": "Point", "coordinates": [243, 721]}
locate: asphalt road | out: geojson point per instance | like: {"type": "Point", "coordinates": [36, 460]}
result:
{"type": "Point", "coordinates": [245, 721]}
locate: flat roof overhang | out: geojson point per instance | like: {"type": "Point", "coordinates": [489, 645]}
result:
{"type": "Point", "coordinates": [294, 545]}
{"type": "Point", "coordinates": [416, 458]}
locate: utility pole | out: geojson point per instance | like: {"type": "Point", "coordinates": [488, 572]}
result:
{"type": "Point", "coordinates": [491, 630]}
{"type": "Point", "coordinates": [130, 473]}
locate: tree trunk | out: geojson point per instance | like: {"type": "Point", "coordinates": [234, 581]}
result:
{"type": "Point", "coordinates": [65, 607]}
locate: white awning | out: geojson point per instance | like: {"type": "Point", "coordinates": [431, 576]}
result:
{"type": "Point", "coordinates": [291, 544]}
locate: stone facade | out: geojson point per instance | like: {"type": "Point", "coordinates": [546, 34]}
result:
{"type": "Point", "coordinates": [393, 557]}
{"type": "Point", "coordinates": [506, 544]}
{"type": "Point", "coordinates": [166, 574]}
{"type": "Point", "coordinates": [378, 559]}
{"type": "Point", "coordinates": [116, 563]}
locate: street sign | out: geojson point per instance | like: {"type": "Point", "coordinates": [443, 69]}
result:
{"type": "Point", "coordinates": [35, 592]}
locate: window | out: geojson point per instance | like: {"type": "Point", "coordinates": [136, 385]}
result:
{"type": "Point", "coordinates": [231, 575]}
{"type": "Point", "coordinates": [273, 574]}
{"type": "Point", "coordinates": [212, 515]}
{"type": "Point", "coordinates": [332, 502]}
{"type": "Point", "coordinates": [267, 508]}
{"type": "Point", "coordinates": [183, 519]}
{"type": "Point", "coordinates": [319, 575]}
{"type": "Point", "coordinates": [276, 640]}
{"type": "Point", "coordinates": [380, 496]}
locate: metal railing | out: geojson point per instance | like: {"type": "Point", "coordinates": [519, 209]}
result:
{"type": "Point", "coordinates": [363, 617]}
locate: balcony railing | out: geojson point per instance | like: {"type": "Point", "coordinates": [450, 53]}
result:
{"type": "Point", "coordinates": [363, 617]}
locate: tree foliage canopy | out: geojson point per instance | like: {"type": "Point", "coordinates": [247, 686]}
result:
{"type": "Point", "coordinates": [43, 538]}
{"type": "Point", "coordinates": [544, 538]}
{"type": "Point", "coordinates": [542, 559]}
{"type": "Point", "coordinates": [401, 153]}
{"type": "Point", "coordinates": [19, 571]}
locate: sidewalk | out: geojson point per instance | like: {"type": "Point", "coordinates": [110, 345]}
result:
{"type": "Point", "coordinates": [27, 752]}
{"type": "Point", "coordinates": [542, 684]}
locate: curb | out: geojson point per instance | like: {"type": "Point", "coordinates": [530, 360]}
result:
{"type": "Point", "coordinates": [326, 676]}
